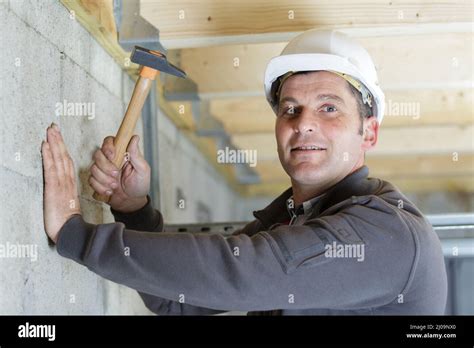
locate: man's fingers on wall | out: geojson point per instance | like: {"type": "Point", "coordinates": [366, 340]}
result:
{"type": "Point", "coordinates": [66, 159]}
{"type": "Point", "coordinates": [56, 152]}
{"type": "Point", "coordinates": [50, 175]}
{"type": "Point", "coordinates": [70, 168]}
{"type": "Point", "coordinates": [98, 187]}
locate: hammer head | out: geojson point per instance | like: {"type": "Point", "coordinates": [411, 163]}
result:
{"type": "Point", "coordinates": [155, 60]}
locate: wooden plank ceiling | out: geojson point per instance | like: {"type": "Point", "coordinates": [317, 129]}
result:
{"type": "Point", "coordinates": [423, 51]}
{"type": "Point", "coordinates": [424, 55]}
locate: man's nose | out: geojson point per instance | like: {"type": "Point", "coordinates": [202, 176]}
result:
{"type": "Point", "coordinates": [305, 122]}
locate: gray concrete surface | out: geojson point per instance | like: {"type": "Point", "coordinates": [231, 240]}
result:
{"type": "Point", "coordinates": [47, 58]}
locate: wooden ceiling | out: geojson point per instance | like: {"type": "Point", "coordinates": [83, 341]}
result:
{"type": "Point", "coordinates": [424, 55]}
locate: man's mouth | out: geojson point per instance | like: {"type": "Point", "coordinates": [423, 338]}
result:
{"type": "Point", "coordinates": [307, 148]}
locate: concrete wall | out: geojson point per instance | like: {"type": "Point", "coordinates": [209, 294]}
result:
{"type": "Point", "coordinates": [47, 57]}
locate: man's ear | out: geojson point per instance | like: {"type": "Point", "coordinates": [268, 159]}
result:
{"type": "Point", "coordinates": [370, 134]}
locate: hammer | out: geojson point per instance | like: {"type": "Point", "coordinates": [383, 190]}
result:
{"type": "Point", "coordinates": [152, 62]}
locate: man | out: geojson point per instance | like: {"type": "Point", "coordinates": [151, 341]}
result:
{"type": "Point", "coordinates": [336, 242]}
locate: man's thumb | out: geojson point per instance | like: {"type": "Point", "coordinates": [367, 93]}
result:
{"type": "Point", "coordinates": [135, 156]}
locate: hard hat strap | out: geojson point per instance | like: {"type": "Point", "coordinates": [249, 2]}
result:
{"type": "Point", "coordinates": [366, 96]}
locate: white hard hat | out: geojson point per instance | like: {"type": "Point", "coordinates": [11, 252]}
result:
{"type": "Point", "coordinates": [330, 51]}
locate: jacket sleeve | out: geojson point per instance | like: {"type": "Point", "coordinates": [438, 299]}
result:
{"type": "Point", "coordinates": [147, 219]}
{"type": "Point", "coordinates": [286, 267]}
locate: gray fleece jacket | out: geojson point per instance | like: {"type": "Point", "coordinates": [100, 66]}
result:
{"type": "Point", "coordinates": [270, 267]}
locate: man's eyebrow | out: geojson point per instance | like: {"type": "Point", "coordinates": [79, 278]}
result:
{"type": "Point", "coordinates": [288, 99]}
{"type": "Point", "coordinates": [330, 96]}
{"type": "Point", "coordinates": [319, 98]}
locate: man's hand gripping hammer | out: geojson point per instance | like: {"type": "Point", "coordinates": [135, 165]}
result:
{"type": "Point", "coordinates": [152, 62]}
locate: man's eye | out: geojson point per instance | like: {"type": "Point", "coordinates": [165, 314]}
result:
{"type": "Point", "coordinates": [329, 108]}
{"type": "Point", "coordinates": [288, 110]}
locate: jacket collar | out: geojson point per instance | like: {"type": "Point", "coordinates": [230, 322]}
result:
{"type": "Point", "coordinates": [354, 184]}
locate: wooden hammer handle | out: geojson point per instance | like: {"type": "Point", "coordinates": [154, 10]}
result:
{"type": "Point", "coordinates": [125, 132]}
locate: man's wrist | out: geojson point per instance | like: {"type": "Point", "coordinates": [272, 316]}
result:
{"type": "Point", "coordinates": [144, 218]}
{"type": "Point", "coordinates": [131, 205]}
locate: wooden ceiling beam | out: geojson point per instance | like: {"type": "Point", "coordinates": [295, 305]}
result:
{"type": "Point", "coordinates": [404, 63]}
{"type": "Point", "coordinates": [210, 22]}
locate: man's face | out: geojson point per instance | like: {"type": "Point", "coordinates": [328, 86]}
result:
{"type": "Point", "coordinates": [318, 109]}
